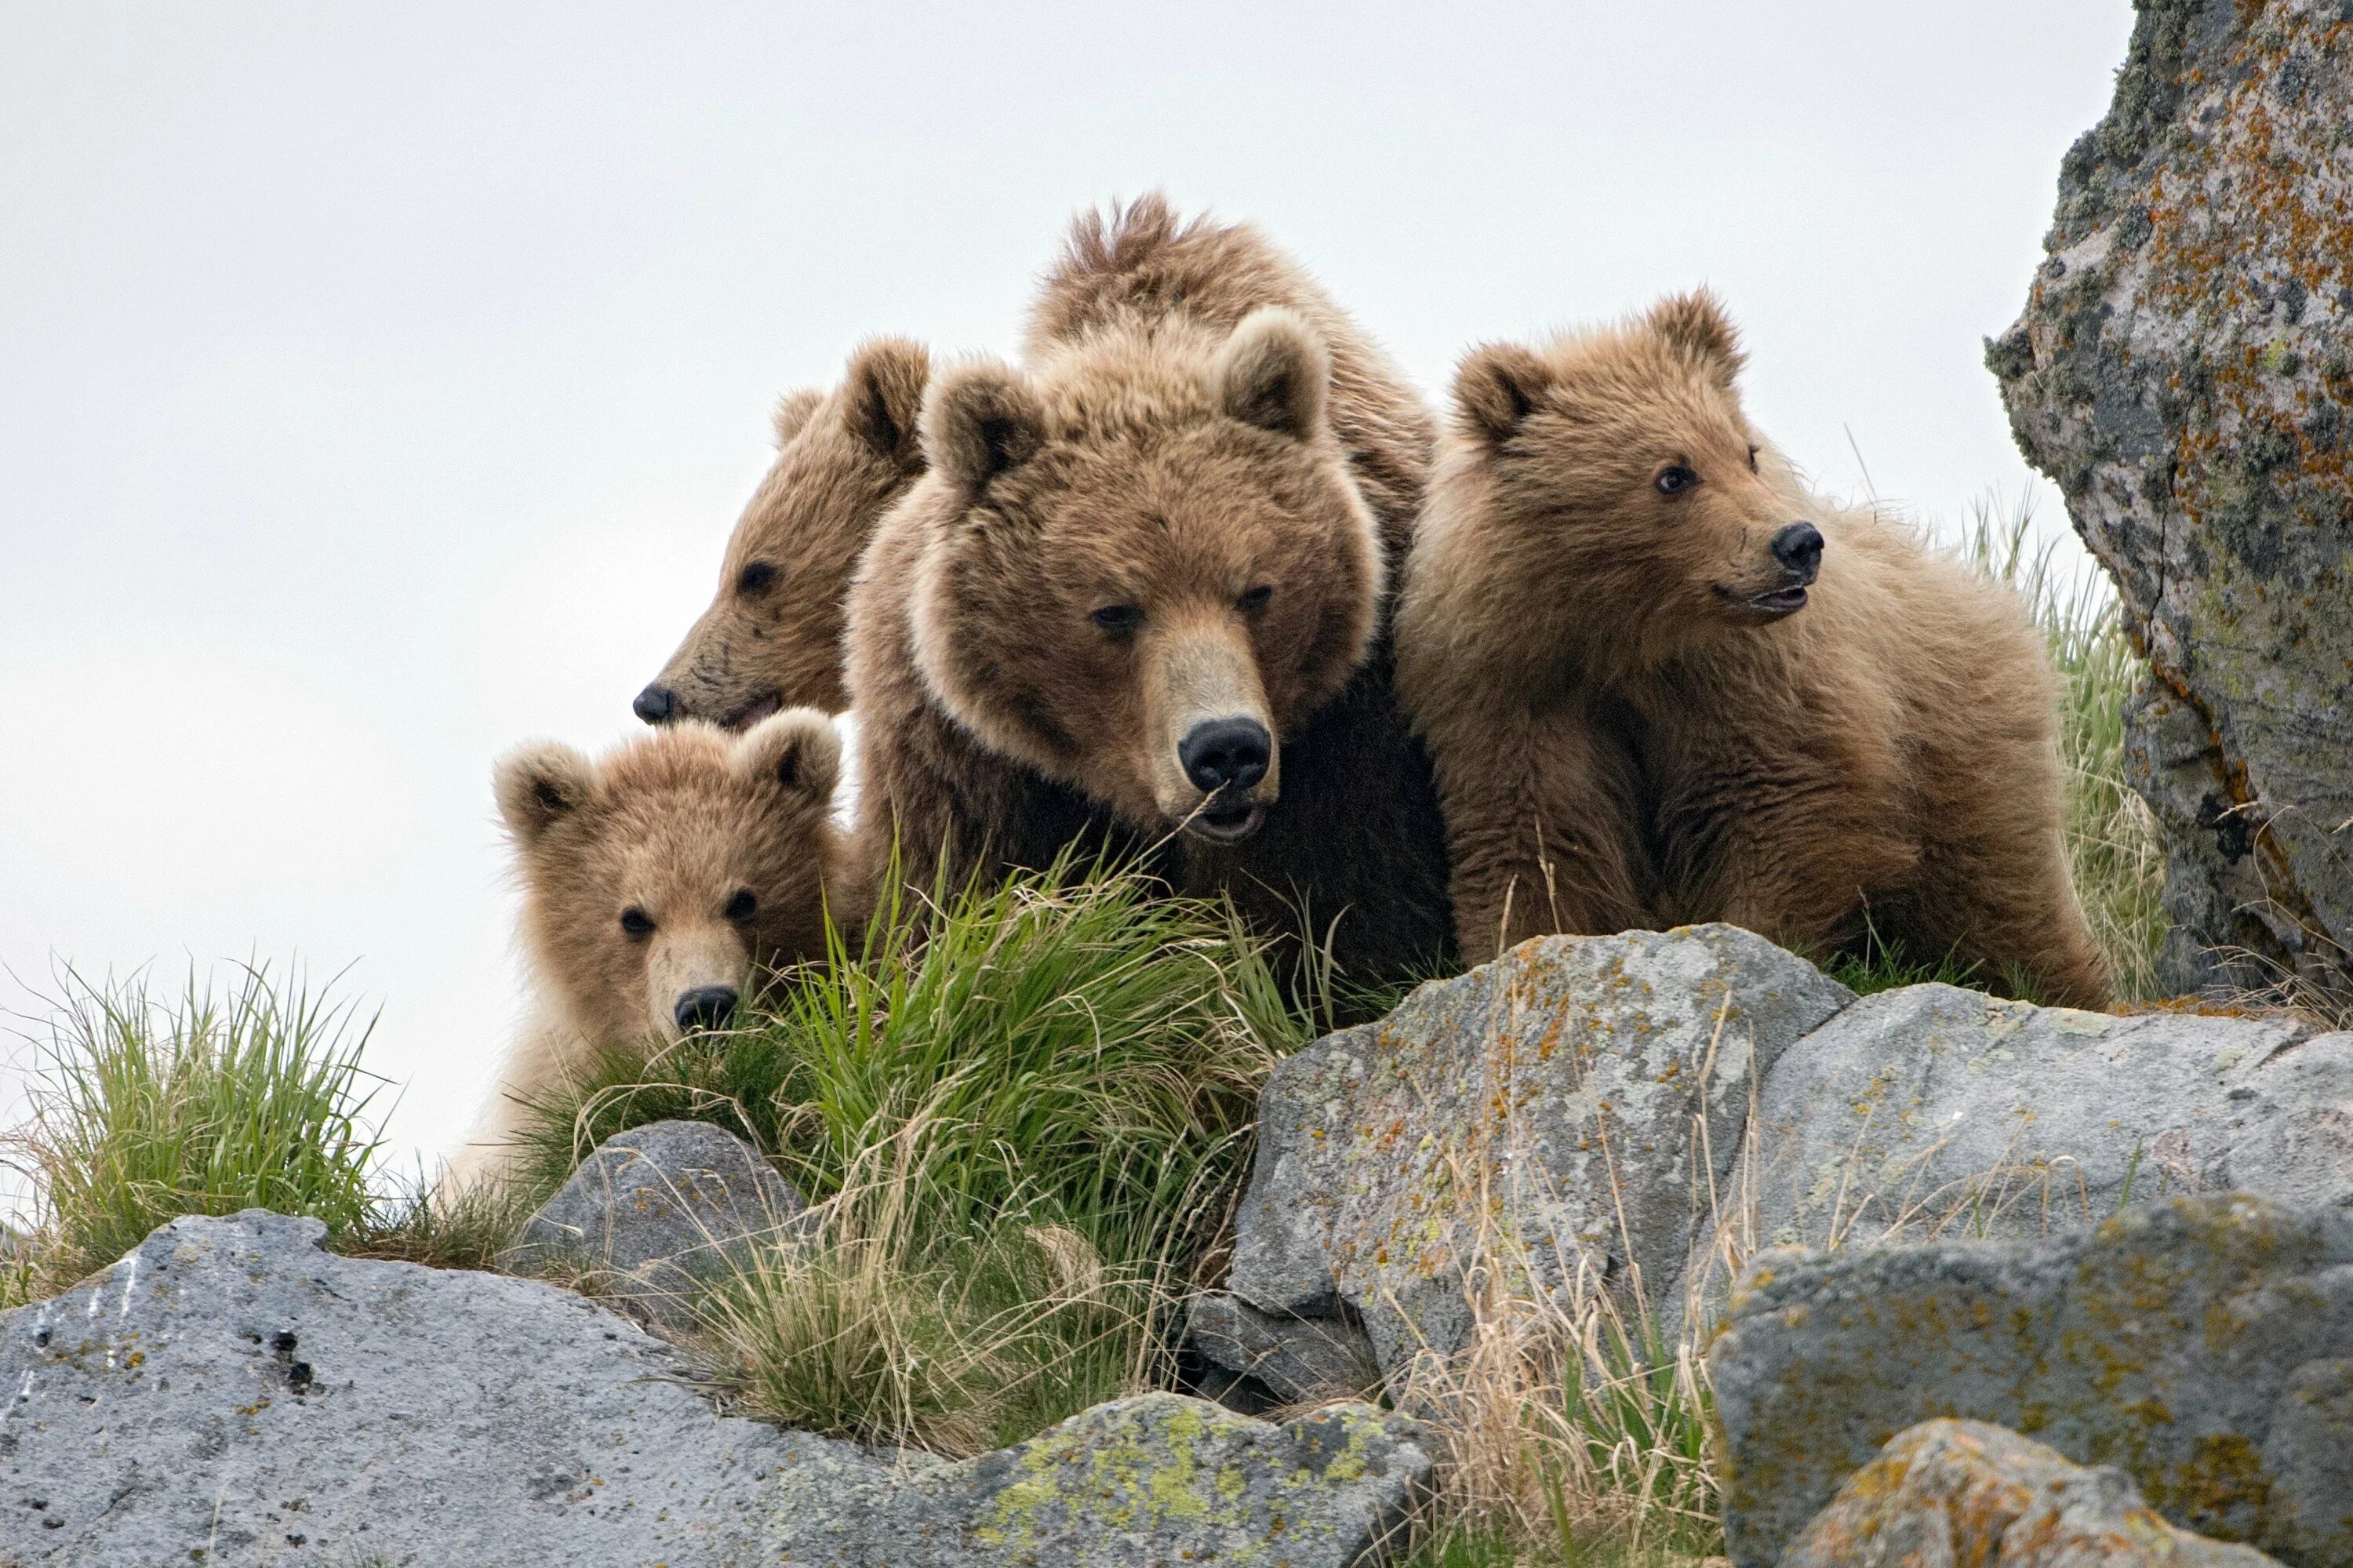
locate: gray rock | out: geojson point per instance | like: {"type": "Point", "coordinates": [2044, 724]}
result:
{"type": "Point", "coordinates": [2170, 1341]}
{"type": "Point", "coordinates": [229, 1389]}
{"type": "Point", "coordinates": [2184, 371]}
{"type": "Point", "coordinates": [1159, 1478]}
{"type": "Point", "coordinates": [1961, 1491]}
{"type": "Point", "coordinates": [1302, 1360]}
{"type": "Point", "coordinates": [1566, 1109]}
{"type": "Point", "coordinates": [229, 1393]}
{"type": "Point", "coordinates": [657, 1210]}
{"type": "Point", "coordinates": [2310, 1449]}
{"type": "Point", "coordinates": [1935, 1111]}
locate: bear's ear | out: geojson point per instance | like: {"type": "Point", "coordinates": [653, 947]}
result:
{"type": "Point", "coordinates": [882, 395]}
{"type": "Point", "coordinates": [1274, 373]}
{"type": "Point", "coordinates": [979, 420]}
{"type": "Point", "coordinates": [1497, 387]}
{"type": "Point", "coordinates": [797, 750]}
{"type": "Point", "coordinates": [538, 785]}
{"type": "Point", "coordinates": [1696, 323]}
{"type": "Point", "coordinates": [793, 411]}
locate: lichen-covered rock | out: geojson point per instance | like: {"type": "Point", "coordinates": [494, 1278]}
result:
{"type": "Point", "coordinates": [1933, 1110]}
{"type": "Point", "coordinates": [2184, 371]}
{"type": "Point", "coordinates": [1301, 1360]}
{"type": "Point", "coordinates": [657, 1210]}
{"type": "Point", "coordinates": [1962, 1491]}
{"type": "Point", "coordinates": [230, 1394]}
{"type": "Point", "coordinates": [1567, 1106]}
{"type": "Point", "coordinates": [2170, 1341]}
{"type": "Point", "coordinates": [1158, 1479]}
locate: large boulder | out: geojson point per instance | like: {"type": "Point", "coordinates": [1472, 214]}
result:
{"type": "Point", "coordinates": [656, 1214]}
{"type": "Point", "coordinates": [2184, 371]}
{"type": "Point", "coordinates": [1569, 1108]}
{"type": "Point", "coordinates": [1936, 1111]}
{"type": "Point", "coordinates": [2198, 1344]}
{"type": "Point", "coordinates": [1961, 1491]}
{"type": "Point", "coordinates": [229, 1392]}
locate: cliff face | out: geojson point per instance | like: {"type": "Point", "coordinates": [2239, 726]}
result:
{"type": "Point", "coordinates": [2184, 371]}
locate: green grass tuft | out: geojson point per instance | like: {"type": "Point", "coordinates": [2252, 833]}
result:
{"type": "Point", "coordinates": [144, 1109]}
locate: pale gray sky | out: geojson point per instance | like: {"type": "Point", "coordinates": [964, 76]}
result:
{"type": "Point", "coordinates": [378, 383]}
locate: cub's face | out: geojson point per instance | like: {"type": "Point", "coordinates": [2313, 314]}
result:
{"type": "Point", "coordinates": [657, 881]}
{"type": "Point", "coordinates": [1624, 477]}
{"type": "Point", "coordinates": [1139, 577]}
{"type": "Point", "coordinates": [772, 637]}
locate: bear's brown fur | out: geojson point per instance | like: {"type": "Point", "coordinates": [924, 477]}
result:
{"type": "Point", "coordinates": [673, 871]}
{"type": "Point", "coordinates": [1184, 510]}
{"type": "Point", "coordinates": [772, 637]}
{"type": "Point", "coordinates": [1639, 715]}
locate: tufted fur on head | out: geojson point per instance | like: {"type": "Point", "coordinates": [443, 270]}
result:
{"type": "Point", "coordinates": [1646, 706]}
{"type": "Point", "coordinates": [685, 860]}
{"type": "Point", "coordinates": [772, 636]}
{"type": "Point", "coordinates": [1183, 507]}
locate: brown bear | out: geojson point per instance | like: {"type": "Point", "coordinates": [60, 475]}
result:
{"type": "Point", "coordinates": [657, 885]}
{"type": "Point", "coordinates": [1140, 599]}
{"type": "Point", "coordinates": [1662, 683]}
{"type": "Point", "coordinates": [772, 637]}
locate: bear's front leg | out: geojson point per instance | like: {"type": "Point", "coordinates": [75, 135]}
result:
{"type": "Point", "coordinates": [1540, 826]}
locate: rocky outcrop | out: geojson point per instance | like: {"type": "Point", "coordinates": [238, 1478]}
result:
{"type": "Point", "coordinates": [2184, 371]}
{"type": "Point", "coordinates": [1566, 1109]}
{"type": "Point", "coordinates": [2197, 1345]}
{"type": "Point", "coordinates": [656, 1212]}
{"type": "Point", "coordinates": [1297, 1361]}
{"type": "Point", "coordinates": [1936, 1111]}
{"type": "Point", "coordinates": [1961, 1491]}
{"type": "Point", "coordinates": [230, 1394]}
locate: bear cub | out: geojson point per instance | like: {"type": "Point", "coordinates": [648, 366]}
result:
{"type": "Point", "coordinates": [1661, 683]}
{"type": "Point", "coordinates": [658, 883]}
{"type": "Point", "coordinates": [772, 637]}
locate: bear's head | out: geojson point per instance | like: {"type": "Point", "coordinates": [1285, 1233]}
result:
{"type": "Point", "coordinates": [657, 880]}
{"type": "Point", "coordinates": [1144, 563]}
{"type": "Point", "coordinates": [772, 637]}
{"type": "Point", "coordinates": [1620, 500]}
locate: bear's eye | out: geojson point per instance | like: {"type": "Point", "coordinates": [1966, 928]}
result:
{"type": "Point", "coordinates": [1119, 619]}
{"type": "Point", "coordinates": [636, 922]}
{"type": "Point", "coordinates": [1255, 600]}
{"type": "Point", "coordinates": [1674, 479]}
{"type": "Point", "coordinates": [1752, 460]}
{"type": "Point", "coordinates": [742, 908]}
{"type": "Point", "coordinates": [755, 579]}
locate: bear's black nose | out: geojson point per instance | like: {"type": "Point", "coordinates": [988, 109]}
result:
{"type": "Point", "coordinates": [1799, 548]}
{"type": "Point", "coordinates": [1227, 753]}
{"type": "Point", "coordinates": [705, 1007]}
{"type": "Point", "coordinates": [655, 704]}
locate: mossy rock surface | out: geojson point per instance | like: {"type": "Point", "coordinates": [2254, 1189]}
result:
{"type": "Point", "coordinates": [2183, 370]}
{"type": "Point", "coordinates": [2196, 1344]}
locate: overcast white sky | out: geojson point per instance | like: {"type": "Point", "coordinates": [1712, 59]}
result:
{"type": "Point", "coordinates": [378, 383]}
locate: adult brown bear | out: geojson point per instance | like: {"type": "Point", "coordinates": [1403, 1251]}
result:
{"type": "Point", "coordinates": [1142, 594]}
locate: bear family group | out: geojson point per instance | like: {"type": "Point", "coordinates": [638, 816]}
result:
{"type": "Point", "coordinates": [1201, 583]}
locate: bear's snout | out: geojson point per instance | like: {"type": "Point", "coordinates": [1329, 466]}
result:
{"type": "Point", "coordinates": [1225, 754]}
{"type": "Point", "coordinates": [655, 704]}
{"type": "Point", "coordinates": [1799, 548]}
{"type": "Point", "coordinates": [705, 1007]}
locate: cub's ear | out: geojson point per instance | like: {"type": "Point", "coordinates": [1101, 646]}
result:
{"type": "Point", "coordinates": [793, 411]}
{"type": "Point", "coordinates": [979, 420]}
{"type": "Point", "coordinates": [1496, 388]}
{"type": "Point", "coordinates": [882, 395]}
{"type": "Point", "coordinates": [1696, 323]}
{"type": "Point", "coordinates": [1274, 373]}
{"type": "Point", "coordinates": [796, 750]}
{"type": "Point", "coordinates": [538, 785]}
